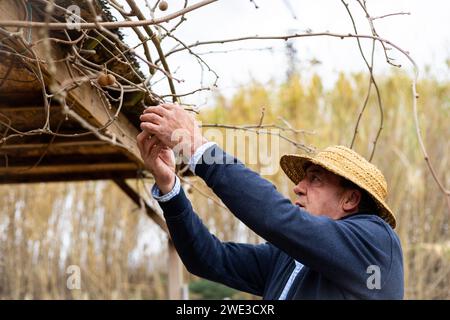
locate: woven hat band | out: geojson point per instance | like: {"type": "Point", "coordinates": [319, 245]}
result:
{"type": "Point", "coordinates": [366, 173]}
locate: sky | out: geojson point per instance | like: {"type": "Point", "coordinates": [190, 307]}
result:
{"type": "Point", "coordinates": [424, 34]}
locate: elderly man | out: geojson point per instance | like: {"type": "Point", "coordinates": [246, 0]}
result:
{"type": "Point", "coordinates": [335, 242]}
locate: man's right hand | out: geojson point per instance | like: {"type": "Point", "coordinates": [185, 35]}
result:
{"type": "Point", "coordinates": [159, 160]}
{"type": "Point", "coordinates": [175, 127]}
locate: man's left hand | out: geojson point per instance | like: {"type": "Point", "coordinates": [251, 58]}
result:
{"type": "Point", "coordinates": [174, 127]}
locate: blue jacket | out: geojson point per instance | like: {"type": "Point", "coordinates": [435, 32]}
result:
{"type": "Point", "coordinates": [336, 254]}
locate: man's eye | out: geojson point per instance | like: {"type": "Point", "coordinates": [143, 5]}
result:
{"type": "Point", "coordinates": [314, 178]}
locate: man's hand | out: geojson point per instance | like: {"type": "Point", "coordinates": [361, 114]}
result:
{"type": "Point", "coordinates": [174, 127]}
{"type": "Point", "coordinates": [158, 159]}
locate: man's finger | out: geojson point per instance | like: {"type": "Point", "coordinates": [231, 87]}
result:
{"type": "Point", "coordinates": [168, 106]}
{"type": "Point", "coordinates": [140, 138]}
{"type": "Point", "coordinates": [154, 152]}
{"type": "Point", "coordinates": [151, 142]}
{"type": "Point", "coordinates": [150, 127]}
{"type": "Point", "coordinates": [157, 109]}
{"type": "Point", "coordinates": [151, 117]}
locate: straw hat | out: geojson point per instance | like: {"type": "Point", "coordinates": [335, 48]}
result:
{"type": "Point", "coordinates": [349, 165]}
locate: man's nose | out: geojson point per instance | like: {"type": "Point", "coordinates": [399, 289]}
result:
{"type": "Point", "coordinates": [300, 188]}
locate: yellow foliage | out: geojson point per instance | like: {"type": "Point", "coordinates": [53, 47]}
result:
{"type": "Point", "coordinates": [45, 228]}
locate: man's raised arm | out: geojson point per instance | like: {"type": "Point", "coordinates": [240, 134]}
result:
{"type": "Point", "coordinates": [241, 266]}
{"type": "Point", "coordinates": [325, 245]}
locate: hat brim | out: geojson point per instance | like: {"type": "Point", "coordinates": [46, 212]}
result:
{"type": "Point", "coordinates": [294, 167]}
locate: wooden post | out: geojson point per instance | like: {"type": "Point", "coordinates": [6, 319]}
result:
{"type": "Point", "coordinates": [175, 276]}
{"type": "Point", "coordinates": [136, 198]}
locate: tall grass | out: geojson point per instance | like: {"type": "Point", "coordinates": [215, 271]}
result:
{"type": "Point", "coordinates": [44, 228]}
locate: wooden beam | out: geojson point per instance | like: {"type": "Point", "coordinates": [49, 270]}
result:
{"type": "Point", "coordinates": [74, 169]}
{"type": "Point", "coordinates": [31, 114]}
{"type": "Point", "coordinates": [175, 276]}
{"type": "Point", "coordinates": [136, 198]}
{"type": "Point", "coordinates": [67, 177]}
{"type": "Point", "coordinates": [18, 83]}
{"type": "Point", "coordinates": [47, 138]}
{"type": "Point", "coordinates": [86, 100]}
{"type": "Point", "coordinates": [20, 108]}
{"type": "Point", "coordinates": [87, 148]}
{"type": "Point", "coordinates": [66, 144]}
{"type": "Point", "coordinates": [64, 160]}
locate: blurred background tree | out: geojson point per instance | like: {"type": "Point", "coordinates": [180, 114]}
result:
{"type": "Point", "coordinates": [46, 227]}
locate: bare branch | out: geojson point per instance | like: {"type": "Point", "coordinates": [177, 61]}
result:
{"type": "Point", "coordinates": [390, 15]}
{"type": "Point", "coordinates": [106, 25]}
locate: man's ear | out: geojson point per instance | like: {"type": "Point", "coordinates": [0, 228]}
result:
{"type": "Point", "coordinates": [352, 198]}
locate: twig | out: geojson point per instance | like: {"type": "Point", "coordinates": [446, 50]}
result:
{"type": "Point", "coordinates": [390, 15]}
{"type": "Point", "coordinates": [106, 25]}
{"type": "Point", "coordinates": [371, 81]}
{"type": "Point", "coordinates": [422, 144]}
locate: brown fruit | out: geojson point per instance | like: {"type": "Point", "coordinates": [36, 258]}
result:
{"type": "Point", "coordinates": [102, 79]}
{"type": "Point", "coordinates": [111, 80]}
{"type": "Point", "coordinates": [163, 5]}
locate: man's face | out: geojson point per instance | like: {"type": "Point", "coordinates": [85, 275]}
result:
{"type": "Point", "coordinates": [320, 193]}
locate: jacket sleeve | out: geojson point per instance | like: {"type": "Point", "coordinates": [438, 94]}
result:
{"type": "Point", "coordinates": [341, 250]}
{"type": "Point", "coordinates": [241, 266]}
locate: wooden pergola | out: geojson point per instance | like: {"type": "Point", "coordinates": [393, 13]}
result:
{"type": "Point", "coordinates": [74, 153]}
